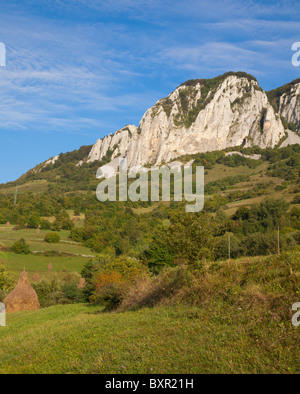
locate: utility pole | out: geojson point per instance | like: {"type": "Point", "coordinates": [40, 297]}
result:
{"type": "Point", "coordinates": [16, 196]}
{"type": "Point", "coordinates": [229, 246]}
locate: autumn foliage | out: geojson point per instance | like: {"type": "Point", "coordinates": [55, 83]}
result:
{"type": "Point", "coordinates": [113, 278]}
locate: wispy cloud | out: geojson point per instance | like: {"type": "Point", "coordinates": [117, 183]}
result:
{"type": "Point", "coordinates": [88, 67]}
{"type": "Point", "coordinates": [57, 72]}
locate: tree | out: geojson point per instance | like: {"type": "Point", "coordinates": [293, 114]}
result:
{"type": "Point", "coordinates": [20, 247]}
{"type": "Point", "coordinates": [188, 240]}
{"type": "Point", "coordinates": [52, 238]}
{"type": "Point", "coordinates": [34, 221]}
{"type": "Point", "coordinates": [5, 280]}
{"type": "Point", "coordinates": [63, 222]}
{"type": "Point", "coordinates": [87, 273]}
{"type": "Point", "coordinates": [114, 277]}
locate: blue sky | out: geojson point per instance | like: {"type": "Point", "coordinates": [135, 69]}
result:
{"type": "Point", "coordinates": [80, 69]}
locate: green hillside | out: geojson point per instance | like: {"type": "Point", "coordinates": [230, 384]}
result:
{"type": "Point", "coordinates": [243, 326]}
{"type": "Point", "coordinates": [165, 291]}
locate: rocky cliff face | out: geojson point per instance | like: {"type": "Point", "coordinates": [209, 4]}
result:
{"type": "Point", "coordinates": [289, 106]}
{"type": "Point", "coordinates": [201, 116]}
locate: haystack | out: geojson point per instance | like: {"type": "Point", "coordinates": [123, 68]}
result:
{"type": "Point", "coordinates": [50, 267]}
{"type": "Point", "coordinates": [81, 284]}
{"type": "Point", "coordinates": [23, 297]}
{"type": "Point", "coordinates": [35, 277]}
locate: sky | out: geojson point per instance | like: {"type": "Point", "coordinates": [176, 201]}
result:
{"type": "Point", "coordinates": [77, 70]}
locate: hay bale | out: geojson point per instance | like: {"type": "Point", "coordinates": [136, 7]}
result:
{"type": "Point", "coordinates": [81, 284]}
{"type": "Point", "coordinates": [7, 224]}
{"type": "Point", "coordinates": [23, 297]}
{"type": "Point", "coordinates": [35, 277]}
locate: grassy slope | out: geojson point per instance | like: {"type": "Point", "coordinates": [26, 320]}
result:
{"type": "Point", "coordinates": [181, 339]}
{"type": "Point", "coordinates": [36, 187]}
{"type": "Point", "coordinates": [15, 263]}
{"type": "Point", "coordinates": [244, 327]}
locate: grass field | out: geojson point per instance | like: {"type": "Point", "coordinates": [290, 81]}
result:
{"type": "Point", "coordinates": [35, 187]}
{"type": "Point", "coordinates": [15, 263]}
{"type": "Point", "coordinates": [243, 326]}
{"type": "Point", "coordinates": [220, 171]}
{"type": "Point", "coordinates": [181, 339]}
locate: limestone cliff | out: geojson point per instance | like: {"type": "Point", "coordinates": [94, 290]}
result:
{"type": "Point", "coordinates": [289, 106]}
{"type": "Point", "coordinates": [199, 116]}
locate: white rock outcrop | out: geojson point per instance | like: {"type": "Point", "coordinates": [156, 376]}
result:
{"type": "Point", "coordinates": [289, 105]}
{"type": "Point", "coordinates": [199, 116]}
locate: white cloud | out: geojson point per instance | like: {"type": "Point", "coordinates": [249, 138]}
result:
{"type": "Point", "coordinates": [68, 75]}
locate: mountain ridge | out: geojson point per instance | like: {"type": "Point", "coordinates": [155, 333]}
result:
{"type": "Point", "coordinates": [200, 115]}
{"type": "Point", "coordinates": [204, 115]}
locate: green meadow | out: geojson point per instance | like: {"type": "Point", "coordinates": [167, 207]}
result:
{"type": "Point", "coordinates": [72, 259]}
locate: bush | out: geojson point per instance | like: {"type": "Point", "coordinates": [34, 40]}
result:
{"type": "Point", "coordinates": [261, 244]}
{"type": "Point", "coordinates": [222, 247]}
{"type": "Point", "coordinates": [57, 292]}
{"type": "Point", "coordinates": [55, 298]}
{"type": "Point", "coordinates": [147, 292]}
{"type": "Point", "coordinates": [53, 238]}
{"type": "Point", "coordinates": [5, 281]}
{"type": "Point", "coordinates": [20, 247]}
{"type": "Point", "coordinates": [188, 240]}
{"type": "Point", "coordinates": [63, 222]}
{"type": "Point", "coordinates": [45, 225]}
{"type": "Point", "coordinates": [266, 284]}
{"type": "Point", "coordinates": [33, 221]}
{"type": "Point", "coordinates": [113, 278]}
{"type": "Point", "coordinates": [3, 295]}
{"type": "Point", "coordinates": [72, 293]}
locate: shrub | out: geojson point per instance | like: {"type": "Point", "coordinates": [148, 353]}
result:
{"type": "Point", "coordinates": [113, 278]}
{"type": "Point", "coordinates": [147, 292]}
{"type": "Point", "coordinates": [5, 281]}
{"type": "Point", "coordinates": [53, 238]}
{"type": "Point", "coordinates": [63, 222]}
{"type": "Point", "coordinates": [33, 221]}
{"type": "Point", "coordinates": [261, 244]}
{"type": "Point", "coordinates": [55, 298]}
{"type": "Point", "coordinates": [57, 292]}
{"type": "Point", "coordinates": [266, 284]}
{"type": "Point", "coordinates": [20, 247]}
{"type": "Point", "coordinates": [3, 295]}
{"type": "Point", "coordinates": [72, 293]}
{"type": "Point", "coordinates": [45, 225]}
{"type": "Point", "coordinates": [222, 247]}
{"type": "Point", "coordinates": [188, 240]}
{"type": "Point", "coordinates": [88, 273]}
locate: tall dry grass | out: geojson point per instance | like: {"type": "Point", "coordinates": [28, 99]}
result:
{"type": "Point", "coordinates": [267, 284]}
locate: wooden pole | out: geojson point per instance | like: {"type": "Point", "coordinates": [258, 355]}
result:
{"type": "Point", "coordinates": [229, 246]}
